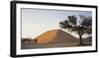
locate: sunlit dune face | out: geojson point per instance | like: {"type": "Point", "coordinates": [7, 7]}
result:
{"type": "Point", "coordinates": [46, 37]}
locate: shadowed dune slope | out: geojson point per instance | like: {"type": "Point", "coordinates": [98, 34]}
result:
{"type": "Point", "coordinates": [55, 36]}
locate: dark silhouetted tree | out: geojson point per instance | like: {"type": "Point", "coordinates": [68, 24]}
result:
{"type": "Point", "coordinates": [79, 25]}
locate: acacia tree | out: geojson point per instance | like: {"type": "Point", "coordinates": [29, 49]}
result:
{"type": "Point", "coordinates": [79, 25]}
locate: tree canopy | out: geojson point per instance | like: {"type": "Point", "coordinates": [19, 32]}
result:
{"type": "Point", "coordinates": [81, 25]}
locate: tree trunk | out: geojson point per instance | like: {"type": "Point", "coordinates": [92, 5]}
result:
{"type": "Point", "coordinates": [81, 41]}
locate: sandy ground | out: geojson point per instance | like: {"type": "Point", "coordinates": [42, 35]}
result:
{"type": "Point", "coordinates": [51, 45]}
{"type": "Point", "coordinates": [31, 46]}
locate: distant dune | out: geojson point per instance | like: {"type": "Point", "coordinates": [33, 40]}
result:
{"type": "Point", "coordinates": [55, 36]}
{"type": "Point", "coordinates": [26, 40]}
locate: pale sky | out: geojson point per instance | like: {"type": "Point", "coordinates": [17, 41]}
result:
{"type": "Point", "coordinates": [38, 21]}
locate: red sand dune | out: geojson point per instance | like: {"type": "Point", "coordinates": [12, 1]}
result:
{"type": "Point", "coordinates": [55, 36]}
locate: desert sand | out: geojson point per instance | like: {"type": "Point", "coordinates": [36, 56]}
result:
{"type": "Point", "coordinates": [52, 38]}
{"type": "Point", "coordinates": [55, 36]}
